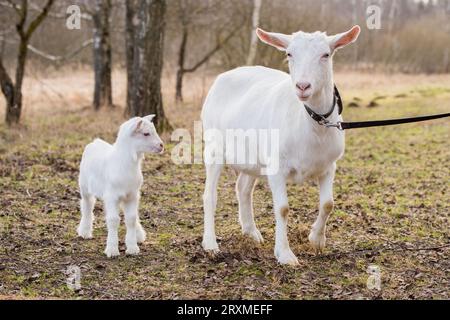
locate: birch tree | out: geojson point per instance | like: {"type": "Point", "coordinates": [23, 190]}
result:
{"type": "Point", "coordinates": [257, 4]}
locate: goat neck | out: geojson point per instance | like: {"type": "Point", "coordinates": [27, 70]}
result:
{"type": "Point", "coordinates": [322, 101]}
{"type": "Point", "coordinates": [124, 149]}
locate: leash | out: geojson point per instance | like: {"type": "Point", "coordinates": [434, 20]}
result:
{"type": "Point", "coordinates": [322, 119]}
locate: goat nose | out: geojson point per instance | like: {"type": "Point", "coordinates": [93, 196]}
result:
{"type": "Point", "coordinates": [303, 86]}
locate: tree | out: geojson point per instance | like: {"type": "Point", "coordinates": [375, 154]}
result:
{"type": "Point", "coordinates": [102, 54]}
{"type": "Point", "coordinates": [130, 11]}
{"type": "Point", "coordinates": [182, 49]}
{"type": "Point", "coordinates": [188, 13]}
{"type": "Point", "coordinates": [13, 91]}
{"type": "Point", "coordinates": [254, 39]}
{"type": "Point", "coordinates": [147, 18]}
{"type": "Point", "coordinates": [98, 12]}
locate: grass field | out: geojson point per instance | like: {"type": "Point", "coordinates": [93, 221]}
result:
{"type": "Point", "coordinates": [391, 193]}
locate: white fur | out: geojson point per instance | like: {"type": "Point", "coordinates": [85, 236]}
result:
{"type": "Point", "coordinates": [262, 98]}
{"type": "Point", "coordinates": [113, 173]}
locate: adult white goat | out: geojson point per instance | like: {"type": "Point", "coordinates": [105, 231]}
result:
{"type": "Point", "coordinates": [113, 174]}
{"type": "Point", "coordinates": [262, 98]}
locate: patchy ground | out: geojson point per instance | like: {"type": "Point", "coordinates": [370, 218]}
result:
{"type": "Point", "coordinates": [392, 210]}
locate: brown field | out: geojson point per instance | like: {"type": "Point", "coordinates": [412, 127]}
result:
{"type": "Point", "coordinates": [392, 203]}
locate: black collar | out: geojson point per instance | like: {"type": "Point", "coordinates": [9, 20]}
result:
{"type": "Point", "coordinates": [322, 118]}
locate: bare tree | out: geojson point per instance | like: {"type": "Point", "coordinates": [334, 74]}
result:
{"type": "Point", "coordinates": [257, 4]}
{"type": "Point", "coordinates": [188, 13]}
{"type": "Point", "coordinates": [102, 54]}
{"type": "Point", "coordinates": [148, 20]}
{"type": "Point", "coordinates": [184, 20]}
{"type": "Point", "coordinates": [13, 91]}
{"type": "Point", "coordinates": [57, 13]}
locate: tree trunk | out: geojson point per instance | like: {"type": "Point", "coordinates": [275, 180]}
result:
{"type": "Point", "coordinates": [14, 109]}
{"type": "Point", "coordinates": [157, 9]}
{"type": "Point", "coordinates": [7, 87]}
{"type": "Point", "coordinates": [102, 54]}
{"type": "Point", "coordinates": [180, 70]}
{"type": "Point", "coordinates": [131, 8]}
{"type": "Point", "coordinates": [148, 62]}
{"type": "Point", "coordinates": [254, 39]}
{"type": "Point", "coordinates": [138, 81]}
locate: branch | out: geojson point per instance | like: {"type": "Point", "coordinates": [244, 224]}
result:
{"type": "Point", "coordinates": [22, 12]}
{"type": "Point", "coordinates": [208, 55]}
{"type": "Point", "coordinates": [38, 20]}
{"type": "Point", "coordinates": [33, 6]}
{"type": "Point", "coordinates": [85, 6]}
{"type": "Point", "coordinates": [188, 13]}
{"type": "Point", "coordinates": [64, 57]}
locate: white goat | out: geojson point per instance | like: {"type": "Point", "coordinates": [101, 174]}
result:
{"type": "Point", "coordinates": [113, 174]}
{"type": "Point", "coordinates": [262, 98]}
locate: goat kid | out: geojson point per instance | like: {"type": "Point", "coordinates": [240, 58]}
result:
{"type": "Point", "coordinates": [113, 173]}
{"type": "Point", "coordinates": [261, 98]}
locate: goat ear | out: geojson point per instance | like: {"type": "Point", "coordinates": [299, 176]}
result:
{"type": "Point", "coordinates": [150, 117]}
{"type": "Point", "coordinates": [277, 40]}
{"type": "Point", "coordinates": [342, 39]}
{"type": "Point", "coordinates": [138, 125]}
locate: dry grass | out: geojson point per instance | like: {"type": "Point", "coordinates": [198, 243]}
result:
{"type": "Point", "coordinates": [392, 205]}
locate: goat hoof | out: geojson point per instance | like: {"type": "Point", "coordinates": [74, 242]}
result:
{"type": "Point", "coordinates": [132, 250]}
{"type": "Point", "coordinates": [317, 241]}
{"type": "Point", "coordinates": [255, 235]}
{"type": "Point", "coordinates": [210, 246]}
{"type": "Point", "coordinates": [112, 252]}
{"type": "Point", "coordinates": [84, 233]}
{"type": "Point", "coordinates": [141, 236]}
{"type": "Point", "coordinates": [287, 257]}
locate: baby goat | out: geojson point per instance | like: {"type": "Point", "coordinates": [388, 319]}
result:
{"type": "Point", "coordinates": [113, 174]}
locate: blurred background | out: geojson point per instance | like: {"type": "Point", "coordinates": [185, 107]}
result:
{"type": "Point", "coordinates": [414, 34]}
{"type": "Point", "coordinates": [201, 38]}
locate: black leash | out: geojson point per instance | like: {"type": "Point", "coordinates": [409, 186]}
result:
{"type": "Point", "coordinates": [322, 119]}
{"type": "Point", "coordinates": [379, 123]}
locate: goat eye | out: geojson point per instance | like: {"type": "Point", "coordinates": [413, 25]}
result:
{"type": "Point", "coordinates": [289, 55]}
{"type": "Point", "coordinates": [146, 134]}
{"type": "Point", "coordinates": [326, 56]}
